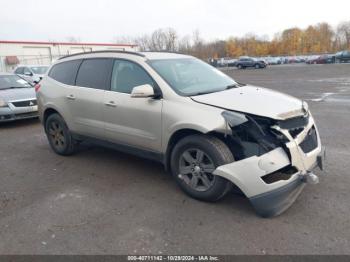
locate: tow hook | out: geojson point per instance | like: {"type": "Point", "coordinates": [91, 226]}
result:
{"type": "Point", "coordinates": [310, 178]}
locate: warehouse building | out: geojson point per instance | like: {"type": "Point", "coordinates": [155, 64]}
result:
{"type": "Point", "coordinates": [13, 53]}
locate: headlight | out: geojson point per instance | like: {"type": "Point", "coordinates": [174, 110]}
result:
{"type": "Point", "coordinates": [234, 118]}
{"type": "Point", "coordinates": [3, 103]}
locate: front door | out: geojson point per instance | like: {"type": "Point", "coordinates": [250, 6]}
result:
{"type": "Point", "coordinates": [131, 121]}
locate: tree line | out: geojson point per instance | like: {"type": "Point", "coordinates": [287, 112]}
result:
{"type": "Point", "coordinates": [315, 39]}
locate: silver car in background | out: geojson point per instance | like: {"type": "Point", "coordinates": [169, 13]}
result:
{"type": "Point", "coordinates": [31, 73]}
{"type": "Point", "coordinates": [17, 98]}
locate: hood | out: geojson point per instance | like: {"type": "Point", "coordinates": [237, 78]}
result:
{"type": "Point", "coordinates": [255, 100]}
{"type": "Point", "coordinates": [17, 94]}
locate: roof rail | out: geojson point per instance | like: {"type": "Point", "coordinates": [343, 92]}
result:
{"type": "Point", "coordinates": [164, 51]}
{"type": "Point", "coordinates": [104, 51]}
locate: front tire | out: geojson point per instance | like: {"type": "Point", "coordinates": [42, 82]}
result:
{"type": "Point", "coordinates": [59, 136]}
{"type": "Point", "coordinates": [193, 160]}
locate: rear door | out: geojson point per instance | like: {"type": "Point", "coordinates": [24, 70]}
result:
{"type": "Point", "coordinates": [85, 100]}
{"type": "Point", "coordinates": [131, 121]}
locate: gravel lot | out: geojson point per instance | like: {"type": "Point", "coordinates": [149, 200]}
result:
{"type": "Point", "coordinates": [103, 202]}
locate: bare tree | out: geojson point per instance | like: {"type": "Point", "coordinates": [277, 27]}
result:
{"type": "Point", "coordinates": [343, 35]}
{"type": "Point", "coordinates": [73, 39]}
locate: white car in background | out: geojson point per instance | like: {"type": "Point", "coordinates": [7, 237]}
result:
{"type": "Point", "coordinates": [32, 73]}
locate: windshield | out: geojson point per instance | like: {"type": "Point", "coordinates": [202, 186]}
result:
{"type": "Point", "coordinates": [190, 76]}
{"type": "Point", "coordinates": [40, 70]}
{"type": "Point", "coordinates": [12, 81]}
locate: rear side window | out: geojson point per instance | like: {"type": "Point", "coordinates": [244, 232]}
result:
{"type": "Point", "coordinates": [95, 73]}
{"type": "Point", "coordinates": [65, 72]}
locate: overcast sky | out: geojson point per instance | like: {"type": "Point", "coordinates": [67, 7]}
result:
{"type": "Point", "coordinates": [104, 20]}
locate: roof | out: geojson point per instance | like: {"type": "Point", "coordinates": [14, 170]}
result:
{"type": "Point", "coordinates": [63, 43]}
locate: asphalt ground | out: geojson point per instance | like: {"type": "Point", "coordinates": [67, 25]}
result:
{"type": "Point", "coordinates": [99, 201]}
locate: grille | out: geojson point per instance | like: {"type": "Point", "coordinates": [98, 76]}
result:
{"type": "Point", "coordinates": [25, 103]}
{"type": "Point", "coordinates": [310, 141]}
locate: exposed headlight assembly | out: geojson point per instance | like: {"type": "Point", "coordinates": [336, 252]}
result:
{"type": "Point", "coordinates": [253, 133]}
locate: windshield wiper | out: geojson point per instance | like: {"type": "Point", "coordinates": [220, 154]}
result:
{"type": "Point", "coordinates": [231, 86]}
{"type": "Point", "coordinates": [234, 86]}
{"type": "Point", "coordinates": [202, 93]}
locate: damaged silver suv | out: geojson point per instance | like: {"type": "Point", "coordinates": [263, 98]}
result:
{"type": "Point", "coordinates": [211, 132]}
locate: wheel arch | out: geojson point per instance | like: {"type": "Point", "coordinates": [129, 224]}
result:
{"type": "Point", "coordinates": [180, 134]}
{"type": "Point", "coordinates": [49, 111]}
{"type": "Point", "coordinates": [174, 138]}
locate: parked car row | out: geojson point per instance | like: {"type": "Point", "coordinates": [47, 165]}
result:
{"type": "Point", "coordinates": [262, 62]}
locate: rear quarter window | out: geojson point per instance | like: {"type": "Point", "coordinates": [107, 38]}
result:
{"type": "Point", "coordinates": [65, 72]}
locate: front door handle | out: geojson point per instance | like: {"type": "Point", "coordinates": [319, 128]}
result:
{"type": "Point", "coordinates": [111, 104]}
{"type": "Point", "coordinates": [71, 97]}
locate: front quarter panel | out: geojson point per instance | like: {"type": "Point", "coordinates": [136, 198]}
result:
{"type": "Point", "coordinates": [184, 113]}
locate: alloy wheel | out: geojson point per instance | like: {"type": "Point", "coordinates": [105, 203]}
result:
{"type": "Point", "coordinates": [56, 134]}
{"type": "Point", "coordinates": [196, 168]}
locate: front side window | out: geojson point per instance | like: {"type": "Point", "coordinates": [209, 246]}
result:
{"type": "Point", "coordinates": [126, 75]}
{"type": "Point", "coordinates": [190, 76]}
{"type": "Point", "coordinates": [95, 73]}
{"type": "Point", "coordinates": [65, 72]}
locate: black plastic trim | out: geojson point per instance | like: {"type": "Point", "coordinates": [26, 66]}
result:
{"type": "Point", "coordinates": [277, 201]}
{"type": "Point", "coordinates": [151, 155]}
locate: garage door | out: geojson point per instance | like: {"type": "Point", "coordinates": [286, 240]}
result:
{"type": "Point", "coordinates": [79, 49]}
{"type": "Point", "coordinates": [36, 55]}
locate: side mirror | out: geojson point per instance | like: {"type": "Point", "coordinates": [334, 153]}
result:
{"type": "Point", "coordinates": [142, 91]}
{"type": "Point", "coordinates": [28, 74]}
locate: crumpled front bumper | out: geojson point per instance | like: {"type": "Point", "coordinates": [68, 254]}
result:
{"type": "Point", "coordinates": [271, 199]}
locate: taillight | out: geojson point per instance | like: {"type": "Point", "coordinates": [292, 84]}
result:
{"type": "Point", "coordinates": [37, 87]}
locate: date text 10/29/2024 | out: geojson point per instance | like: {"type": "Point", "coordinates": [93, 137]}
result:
{"type": "Point", "coordinates": [173, 258]}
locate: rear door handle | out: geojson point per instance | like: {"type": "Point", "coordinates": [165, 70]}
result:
{"type": "Point", "coordinates": [111, 104]}
{"type": "Point", "coordinates": [71, 97]}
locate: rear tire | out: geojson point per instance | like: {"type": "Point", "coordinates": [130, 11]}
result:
{"type": "Point", "coordinates": [193, 160]}
{"type": "Point", "coordinates": [239, 66]}
{"type": "Point", "coordinates": [59, 136]}
{"type": "Point", "coordinates": [257, 66]}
